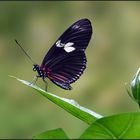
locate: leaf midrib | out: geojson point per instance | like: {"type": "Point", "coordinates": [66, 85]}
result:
{"type": "Point", "coordinates": [130, 122]}
{"type": "Point", "coordinates": [107, 130]}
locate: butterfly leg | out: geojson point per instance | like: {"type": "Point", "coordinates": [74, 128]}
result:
{"type": "Point", "coordinates": [46, 84]}
{"type": "Point", "coordinates": [34, 80]}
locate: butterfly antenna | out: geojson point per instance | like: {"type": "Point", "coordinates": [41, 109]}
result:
{"type": "Point", "coordinates": [25, 52]}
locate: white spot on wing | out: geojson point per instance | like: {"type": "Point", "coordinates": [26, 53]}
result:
{"type": "Point", "coordinates": [78, 27]}
{"type": "Point", "coordinates": [69, 49]}
{"type": "Point", "coordinates": [69, 44]}
{"type": "Point", "coordinates": [75, 26]}
{"type": "Point", "coordinates": [59, 44]}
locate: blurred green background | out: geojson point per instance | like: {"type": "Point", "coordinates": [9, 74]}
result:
{"type": "Point", "coordinates": [113, 58]}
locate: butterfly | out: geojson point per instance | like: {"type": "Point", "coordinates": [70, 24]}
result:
{"type": "Point", "coordinates": [66, 60]}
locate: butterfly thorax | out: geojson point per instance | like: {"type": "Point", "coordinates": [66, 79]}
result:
{"type": "Point", "coordinates": [40, 72]}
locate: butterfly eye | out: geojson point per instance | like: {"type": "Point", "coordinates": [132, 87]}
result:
{"type": "Point", "coordinates": [34, 68]}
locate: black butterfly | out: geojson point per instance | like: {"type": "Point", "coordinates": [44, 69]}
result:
{"type": "Point", "coordinates": [66, 60]}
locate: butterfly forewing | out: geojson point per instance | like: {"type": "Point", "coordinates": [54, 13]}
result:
{"type": "Point", "coordinates": [66, 60]}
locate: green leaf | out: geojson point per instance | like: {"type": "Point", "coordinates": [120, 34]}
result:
{"type": "Point", "coordinates": [69, 105]}
{"type": "Point", "coordinates": [121, 126]}
{"type": "Point", "coordinates": [52, 134]}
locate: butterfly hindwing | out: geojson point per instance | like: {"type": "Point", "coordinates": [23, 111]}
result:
{"type": "Point", "coordinates": [65, 61]}
{"type": "Point", "coordinates": [68, 70]}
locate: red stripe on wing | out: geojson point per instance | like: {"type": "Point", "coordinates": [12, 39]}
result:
{"type": "Point", "coordinates": [57, 77]}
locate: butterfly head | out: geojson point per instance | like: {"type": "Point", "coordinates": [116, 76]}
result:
{"type": "Point", "coordinates": [36, 67]}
